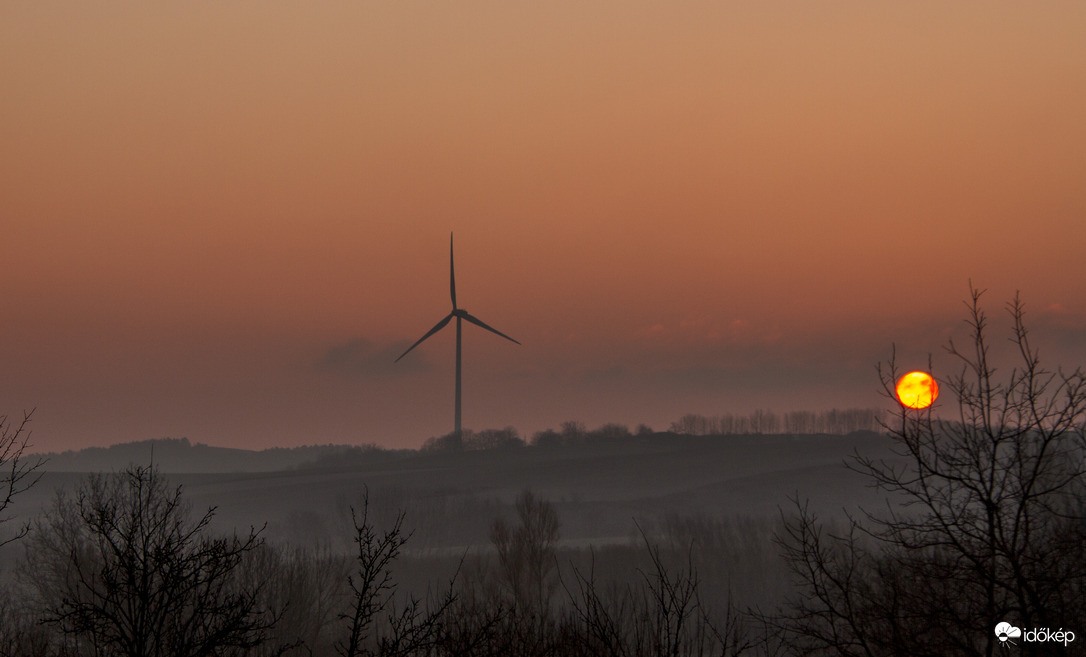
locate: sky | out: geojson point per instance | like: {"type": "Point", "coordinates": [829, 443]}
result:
{"type": "Point", "coordinates": [223, 221]}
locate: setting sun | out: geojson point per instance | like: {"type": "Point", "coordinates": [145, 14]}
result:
{"type": "Point", "coordinates": [917, 390]}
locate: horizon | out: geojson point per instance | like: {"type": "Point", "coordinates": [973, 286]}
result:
{"type": "Point", "coordinates": [225, 223]}
{"type": "Point", "coordinates": [779, 419]}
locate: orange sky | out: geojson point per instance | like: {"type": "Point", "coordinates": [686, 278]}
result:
{"type": "Point", "coordinates": [223, 220]}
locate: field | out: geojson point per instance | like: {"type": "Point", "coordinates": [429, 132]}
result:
{"type": "Point", "coordinates": [599, 487]}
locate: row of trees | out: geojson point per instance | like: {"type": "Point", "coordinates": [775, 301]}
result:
{"type": "Point", "coordinates": [569, 433]}
{"type": "Point", "coordinates": [762, 421]}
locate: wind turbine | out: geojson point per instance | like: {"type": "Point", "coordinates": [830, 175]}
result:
{"type": "Point", "coordinates": [459, 314]}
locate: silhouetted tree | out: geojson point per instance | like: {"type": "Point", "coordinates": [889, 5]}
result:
{"type": "Point", "coordinates": [21, 635]}
{"type": "Point", "coordinates": [992, 528]}
{"type": "Point", "coordinates": [376, 624]}
{"type": "Point", "coordinates": [526, 552]}
{"type": "Point", "coordinates": [122, 570]}
{"type": "Point", "coordinates": [308, 585]}
{"type": "Point", "coordinates": [833, 421]}
{"type": "Point", "coordinates": [492, 439]}
{"type": "Point", "coordinates": [450, 442]}
{"type": "Point", "coordinates": [573, 431]}
{"type": "Point", "coordinates": [659, 614]}
{"type": "Point", "coordinates": [18, 472]}
{"type": "Point", "coordinates": [693, 424]}
{"type": "Point", "coordinates": [611, 431]}
{"type": "Point", "coordinates": [546, 438]}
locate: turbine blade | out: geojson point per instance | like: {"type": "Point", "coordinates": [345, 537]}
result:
{"type": "Point", "coordinates": [478, 322]}
{"type": "Point", "coordinates": [452, 272]}
{"type": "Point", "coordinates": [440, 325]}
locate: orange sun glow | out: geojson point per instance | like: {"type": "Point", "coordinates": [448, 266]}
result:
{"type": "Point", "coordinates": [917, 390]}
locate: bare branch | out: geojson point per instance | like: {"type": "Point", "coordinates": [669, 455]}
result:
{"type": "Point", "coordinates": [18, 471]}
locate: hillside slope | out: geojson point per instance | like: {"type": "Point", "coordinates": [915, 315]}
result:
{"type": "Point", "coordinates": [599, 488]}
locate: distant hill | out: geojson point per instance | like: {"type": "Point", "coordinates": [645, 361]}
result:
{"type": "Point", "coordinates": [598, 486]}
{"type": "Point", "coordinates": [178, 455]}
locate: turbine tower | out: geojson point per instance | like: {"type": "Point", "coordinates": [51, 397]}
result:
{"type": "Point", "coordinates": [459, 314]}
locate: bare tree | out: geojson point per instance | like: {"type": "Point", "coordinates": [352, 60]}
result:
{"type": "Point", "coordinates": [660, 614]}
{"type": "Point", "coordinates": [990, 527]}
{"type": "Point", "coordinates": [308, 585]}
{"type": "Point", "coordinates": [526, 553]}
{"type": "Point", "coordinates": [377, 623]}
{"type": "Point", "coordinates": [18, 472]}
{"type": "Point", "coordinates": [122, 570]}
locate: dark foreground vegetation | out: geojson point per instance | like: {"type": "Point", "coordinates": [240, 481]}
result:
{"type": "Point", "coordinates": [120, 567]}
{"type": "Point", "coordinates": [985, 525]}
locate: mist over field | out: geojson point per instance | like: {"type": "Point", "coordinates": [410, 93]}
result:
{"type": "Point", "coordinates": [599, 483]}
{"type": "Point", "coordinates": [711, 501]}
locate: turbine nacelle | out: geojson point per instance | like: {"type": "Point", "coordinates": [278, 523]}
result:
{"type": "Point", "coordinates": [463, 314]}
{"type": "Point", "coordinates": [459, 313]}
